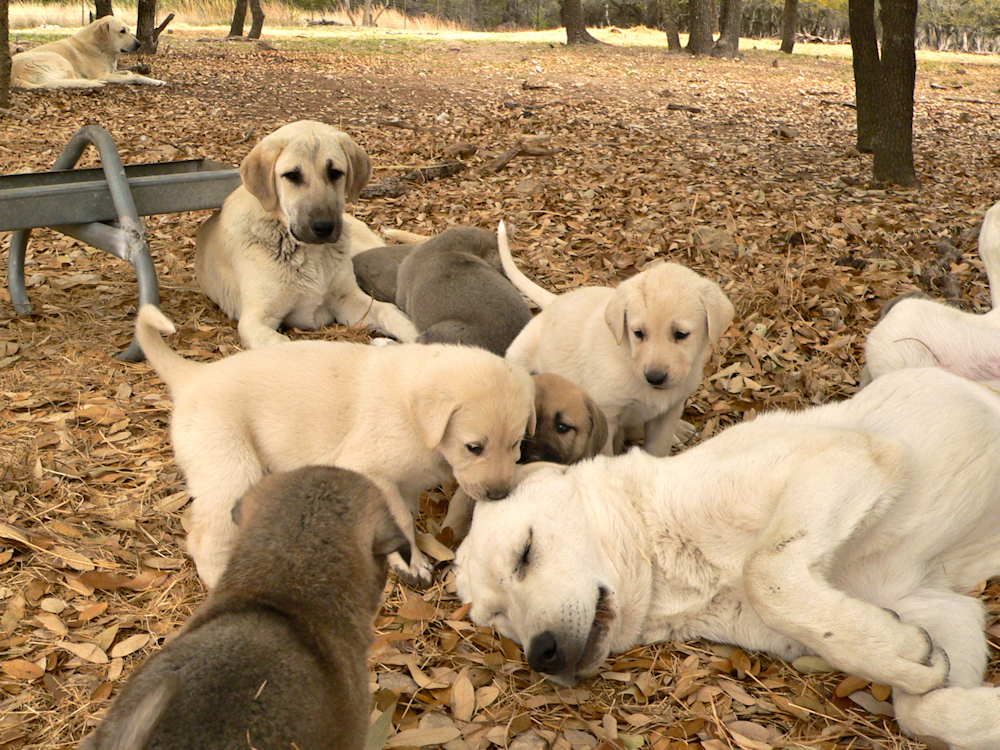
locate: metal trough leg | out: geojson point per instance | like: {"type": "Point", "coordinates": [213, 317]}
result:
{"type": "Point", "coordinates": [127, 241]}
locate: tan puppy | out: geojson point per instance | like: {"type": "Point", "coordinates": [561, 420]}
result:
{"type": "Point", "coordinates": [639, 350]}
{"type": "Point", "coordinates": [277, 657]}
{"type": "Point", "coordinates": [86, 60]}
{"type": "Point", "coordinates": [569, 425]}
{"type": "Point", "coordinates": [279, 251]}
{"type": "Point", "coordinates": [409, 417]}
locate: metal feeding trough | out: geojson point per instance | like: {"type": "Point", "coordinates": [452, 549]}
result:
{"type": "Point", "coordinates": [102, 207]}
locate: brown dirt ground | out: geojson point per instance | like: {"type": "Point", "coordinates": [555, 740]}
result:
{"type": "Point", "coordinates": [94, 575]}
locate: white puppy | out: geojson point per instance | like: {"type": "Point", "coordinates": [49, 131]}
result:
{"type": "Point", "coordinates": [279, 251]}
{"type": "Point", "coordinates": [86, 60]}
{"type": "Point", "coordinates": [922, 333]}
{"type": "Point", "coordinates": [852, 531]}
{"type": "Point", "coordinates": [408, 417]}
{"type": "Point", "coordinates": [639, 349]}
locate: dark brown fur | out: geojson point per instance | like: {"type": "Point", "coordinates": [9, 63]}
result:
{"type": "Point", "coordinates": [569, 424]}
{"type": "Point", "coordinates": [276, 657]}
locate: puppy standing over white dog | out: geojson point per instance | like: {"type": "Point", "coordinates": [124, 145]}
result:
{"type": "Point", "coordinates": [86, 60]}
{"type": "Point", "coordinates": [279, 251]}
{"type": "Point", "coordinates": [408, 417]}
{"type": "Point", "coordinates": [852, 530]}
{"type": "Point", "coordinates": [639, 349]}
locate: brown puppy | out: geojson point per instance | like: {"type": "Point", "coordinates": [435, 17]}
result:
{"type": "Point", "coordinates": [569, 426]}
{"type": "Point", "coordinates": [277, 655]}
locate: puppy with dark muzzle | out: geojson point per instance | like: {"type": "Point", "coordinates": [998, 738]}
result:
{"type": "Point", "coordinates": [569, 425]}
{"type": "Point", "coordinates": [277, 655]}
{"type": "Point", "coordinates": [449, 289]}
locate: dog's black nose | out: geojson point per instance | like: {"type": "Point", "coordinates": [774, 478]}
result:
{"type": "Point", "coordinates": [656, 377]}
{"type": "Point", "coordinates": [544, 654]}
{"type": "Point", "coordinates": [322, 229]}
{"type": "Point", "coordinates": [497, 493]}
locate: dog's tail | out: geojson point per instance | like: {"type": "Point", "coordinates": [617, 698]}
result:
{"type": "Point", "coordinates": [989, 251]}
{"type": "Point", "coordinates": [150, 325]}
{"type": "Point", "coordinates": [403, 237]}
{"type": "Point", "coordinates": [541, 297]}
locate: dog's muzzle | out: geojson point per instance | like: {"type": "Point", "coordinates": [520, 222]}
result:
{"type": "Point", "coordinates": [657, 378]}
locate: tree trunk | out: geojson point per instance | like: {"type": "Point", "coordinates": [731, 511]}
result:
{"type": "Point", "coordinates": [146, 30]}
{"type": "Point", "coordinates": [366, 14]}
{"type": "Point", "coordinates": [572, 19]}
{"type": "Point", "coordinates": [670, 27]}
{"type": "Point", "coordinates": [894, 145]}
{"type": "Point", "coordinates": [257, 25]}
{"type": "Point", "coordinates": [4, 56]}
{"type": "Point", "coordinates": [102, 8]}
{"type": "Point", "coordinates": [789, 25]}
{"type": "Point", "coordinates": [700, 27]}
{"type": "Point", "coordinates": [728, 44]}
{"type": "Point", "coordinates": [239, 16]}
{"type": "Point", "coordinates": [864, 45]}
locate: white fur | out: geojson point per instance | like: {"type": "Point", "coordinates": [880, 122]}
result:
{"type": "Point", "coordinates": [260, 259]}
{"type": "Point", "coordinates": [924, 333]}
{"type": "Point", "coordinates": [406, 416]}
{"type": "Point", "coordinates": [610, 341]}
{"type": "Point", "coordinates": [86, 60]}
{"type": "Point", "coordinates": [796, 533]}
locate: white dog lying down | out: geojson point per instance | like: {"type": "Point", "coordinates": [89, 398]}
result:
{"type": "Point", "coordinates": [86, 60]}
{"type": "Point", "coordinates": [922, 333]}
{"type": "Point", "coordinates": [407, 417]}
{"type": "Point", "coordinates": [851, 530]}
{"type": "Point", "coordinates": [279, 250]}
{"type": "Point", "coordinates": [639, 349]}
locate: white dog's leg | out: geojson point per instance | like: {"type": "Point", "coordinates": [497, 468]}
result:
{"type": "Point", "coordinates": [820, 508]}
{"type": "Point", "coordinates": [661, 431]}
{"type": "Point", "coordinates": [123, 76]}
{"type": "Point", "coordinates": [965, 714]}
{"type": "Point", "coordinates": [355, 307]}
{"type": "Point", "coordinates": [258, 328]}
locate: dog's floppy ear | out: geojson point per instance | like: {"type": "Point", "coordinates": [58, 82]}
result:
{"type": "Point", "coordinates": [359, 167]}
{"type": "Point", "coordinates": [718, 309]}
{"type": "Point", "coordinates": [390, 538]}
{"type": "Point", "coordinates": [432, 411]}
{"type": "Point", "coordinates": [103, 32]}
{"type": "Point", "coordinates": [616, 316]}
{"type": "Point", "coordinates": [257, 171]}
{"type": "Point", "coordinates": [598, 428]}
{"type": "Point", "coordinates": [532, 421]}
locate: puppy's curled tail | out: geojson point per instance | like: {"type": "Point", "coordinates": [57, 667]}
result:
{"type": "Point", "coordinates": [150, 326]}
{"type": "Point", "coordinates": [541, 297]}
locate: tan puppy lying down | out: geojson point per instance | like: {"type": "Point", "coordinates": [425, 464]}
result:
{"type": "Point", "coordinates": [86, 60]}
{"type": "Point", "coordinates": [639, 349]}
{"type": "Point", "coordinates": [409, 417]}
{"type": "Point", "coordinates": [277, 657]}
{"type": "Point", "coordinates": [279, 251]}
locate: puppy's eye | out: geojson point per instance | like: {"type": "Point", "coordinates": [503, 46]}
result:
{"type": "Point", "coordinates": [333, 174]}
{"type": "Point", "coordinates": [639, 334]}
{"type": "Point", "coordinates": [562, 428]}
{"type": "Point", "coordinates": [516, 445]}
{"type": "Point", "coordinates": [294, 177]}
{"type": "Point", "coordinates": [681, 335]}
{"type": "Point", "coordinates": [476, 449]}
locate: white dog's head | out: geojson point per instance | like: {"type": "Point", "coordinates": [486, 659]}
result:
{"type": "Point", "coordinates": [670, 316]}
{"type": "Point", "coordinates": [476, 419]}
{"type": "Point", "coordinates": [534, 568]}
{"type": "Point", "coordinates": [303, 174]}
{"type": "Point", "coordinates": [112, 36]}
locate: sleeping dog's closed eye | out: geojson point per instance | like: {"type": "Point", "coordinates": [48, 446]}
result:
{"type": "Point", "coordinates": [521, 568]}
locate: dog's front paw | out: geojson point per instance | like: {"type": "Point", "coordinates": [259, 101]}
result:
{"type": "Point", "coordinates": [683, 432]}
{"type": "Point", "coordinates": [926, 667]}
{"type": "Point", "coordinates": [419, 574]}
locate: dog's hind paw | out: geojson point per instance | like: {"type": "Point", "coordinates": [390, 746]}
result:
{"type": "Point", "coordinates": [383, 341]}
{"type": "Point", "coordinates": [924, 671]}
{"type": "Point", "coordinates": [419, 574]}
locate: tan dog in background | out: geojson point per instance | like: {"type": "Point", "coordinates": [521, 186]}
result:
{"type": "Point", "coordinates": [278, 654]}
{"type": "Point", "coordinates": [279, 251]}
{"type": "Point", "coordinates": [86, 60]}
{"type": "Point", "coordinates": [409, 417]}
{"type": "Point", "coordinates": [639, 349]}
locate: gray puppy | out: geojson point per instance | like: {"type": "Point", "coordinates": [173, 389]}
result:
{"type": "Point", "coordinates": [276, 657]}
{"type": "Point", "coordinates": [454, 296]}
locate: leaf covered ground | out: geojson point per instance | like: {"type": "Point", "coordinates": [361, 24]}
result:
{"type": "Point", "coordinates": [744, 171]}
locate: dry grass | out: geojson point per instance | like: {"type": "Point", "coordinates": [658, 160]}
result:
{"type": "Point", "coordinates": [806, 249]}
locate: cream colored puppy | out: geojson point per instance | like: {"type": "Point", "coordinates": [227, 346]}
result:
{"type": "Point", "coordinates": [86, 60]}
{"type": "Point", "coordinates": [279, 251]}
{"type": "Point", "coordinates": [919, 332]}
{"type": "Point", "coordinates": [639, 349]}
{"type": "Point", "coordinates": [408, 417]}
{"type": "Point", "coordinates": [853, 531]}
